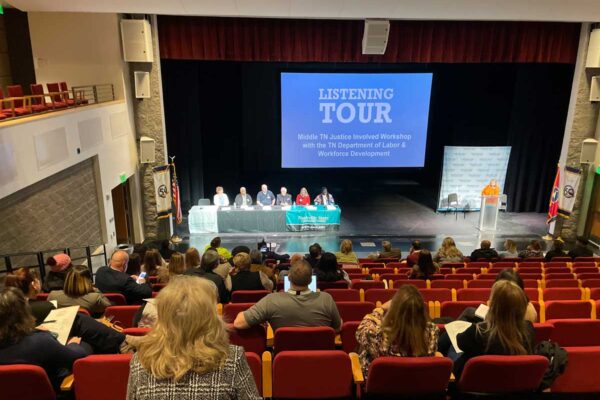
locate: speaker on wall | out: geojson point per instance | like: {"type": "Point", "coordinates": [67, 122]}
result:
{"type": "Point", "coordinates": [375, 36]}
{"type": "Point", "coordinates": [142, 84]}
{"type": "Point", "coordinates": [593, 54]}
{"type": "Point", "coordinates": [136, 36]}
{"type": "Point", "coordinates": [147, 147]}
{"type": "Point", "coordinates": [588, 151]}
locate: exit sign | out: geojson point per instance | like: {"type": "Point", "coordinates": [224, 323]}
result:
{"type": "Point", "coordinates": [123, 177]}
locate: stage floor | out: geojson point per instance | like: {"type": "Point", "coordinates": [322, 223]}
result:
{"type": "Point", "coordinates": [395, 218]}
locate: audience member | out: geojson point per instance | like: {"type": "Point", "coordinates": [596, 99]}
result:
{"type": "Point", "coordinates": [324, 198]}
{"type": "Point", "coordinates": [152, 263]}
{"type": "Point", "coordinates": [448, 253]}
{"type": "Point", "coordinates": [504, 330]}
{"type": "Point", "coordinates": [165, 250]}
{"type": "Point", "coordinates": [210, 261]}
{"type": "Point", "coordinates": [192, 258]}
{"type": "Point", "coordinates": [175, 267]}
{"type": "Point", "coordinates": [258, 266]}
{"type": "Point", "coordinates": [413, 255]}
{"type": "Point", "coordinates": [283, 198]}
{"type": "Point", "coordinates": [401, 327]}
{"type": "Point", "coordinates": [534, 249]}
{"type": "Point", "coordinates": [21, 343]}
{"type": "Point", "coordinates": [425, 267]}
{"type": "Point", "coordinates": [265, 197]}
{"type": "Point", "coordinates": [485, 252]}
{"type": "Point", "coordinates": [55, 279]}
{"type": "Point", "coordinates": [28, 282]}
{"type": "Point", "coordinates": [581, 249]}
{"type": "Point", "coordinates": [303, 198]}
{"type": "Point", "coordinates": [327, 269]}
{"type": "Point", "coordinates": [187, 354]}
{"type": "Point", "coordinates": [297, 307]}
{"type": "Point", "coordinates": [510, 250]}
{"type": "Point", "coordinates": [269, 254]}
{"type": "Point", "coordinates": [314, 254]}
{"type": "Point", "coordinates": [141, 249]}
{"type": "Point", "coordinates": [239, 249]}
{"type": "Point", "coordinates": [80, 291]}
{"type": "Point", "coordinates": [346, 255]}
{"type": "Point", "coordinates": [216, 244]}
{"type": "Point", "coordinates": [243, 199]}
{"type": "Point", "coordinates": [113, 279]}
{"type": "Point", "coordinates": [220, 198]}
{"type": "Point", "coordinates": [134, 266]}
{"type": "Point", "coordinates": [244, 279]}
{"type": "Point", "coordinates": [388, 252]}
{"type": "Point", "coordinates": [556, 250]}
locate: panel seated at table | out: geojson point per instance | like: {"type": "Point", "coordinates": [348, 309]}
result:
{"type": "Point", "coordinates": [313, 218]}
{"type": "Point", "coordinates": [254, 219]}
{"type": "Point", "coordinates": [203, 219]}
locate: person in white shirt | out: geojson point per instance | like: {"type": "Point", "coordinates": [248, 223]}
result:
{"type": "Point", "coordinates": [220, 199]}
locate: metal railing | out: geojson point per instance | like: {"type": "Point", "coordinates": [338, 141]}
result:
{"type": "Point", "coordinates": [86, 255]}
{"type": "Point", "coordinates": [94, 94]}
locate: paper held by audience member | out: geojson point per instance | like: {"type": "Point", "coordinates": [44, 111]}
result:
{"type": "Point", "coordinates": [482, 311]}
{"type": "Point", "coordinates": [60, 321]}
{"type": "Point", "coordinates": [453, 329]}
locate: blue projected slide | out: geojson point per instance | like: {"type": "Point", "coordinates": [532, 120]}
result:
{"type": "Point", "coordinates": [334, 120]}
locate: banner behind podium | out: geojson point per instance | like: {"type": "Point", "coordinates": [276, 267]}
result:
{"type": "Point", "coordinates": [467, 170]}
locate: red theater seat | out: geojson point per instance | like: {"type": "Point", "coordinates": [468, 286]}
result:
{"type": "Point", "coordinates": [557, 264]}
{"type": "Point", "coordinates": [530, 264]}
{"type": "Point", "coordinates": [585, 259]}
{"type": "Point", "coordinates": [588, 275]}
{"type": "Point", "coordinates": [344, 294]}
{"type": "Point", "coordinates": [122, 315]}
{"type": "Point", "coordinates": [396, 265]}
{"type": "Point", "coordinates": [440, 295]}
{"type": "Point", "coordinates": [100, 377]}
{"type": "Point", "coordinates": [448, 284]}
{"type": "Point", "coordinates": [354, 310]}
{"type": "Point", "coordinates": [542, 331]}
{"type": "Point", "coordinates": [581, 374]}
{"type": "Point", "coordinates": [478, 264]}
{"type": "Point", "coordinates": [562, 283]}
{"type": "Point", "coordinates": [359, 284]}
{"type": "Point", "coordinates": [561, 259]}
{"type": "Point", "coordinates": [330, 370]}
{"type": "Point", "coordinates": [502, 374]}
{"type": "Point", "coordinates": [575, 332]}
{"type": "Point", "coordinates": [532, 293]}
{"type": "Point", "coordinates": [332, 285]}
{"type": "Point", "coordinates": [399, 377]}
{"type": "Point", "coordinates": [562, 293]}
{"type": "Point", "coordinates": [379, 295]}
{"type": "Point", "coordinates": [357, 276]}
{"type": "Point", "coordinates": [56, 97]}
{"type": "Point", "coordinates": [372, 265]}
{"type": "Point", "coordinates": [560, 275]}
{"type": "Point", "coordinates": [594, 293]}
{"type": "Point", "coordinates": [453, 309]}
{"type": "Point", "coordinates": [25, 382]}
{"type": "Point", "coordinates": [348, 336]}
{"type": "Point", "coordinates": [527, 275]}
{"type": "Point", "coordinates": [248, 296]}
{"type": "Point", "coordinates": [381, 271]}
{"type": "Point", "coordinates": [470, 270]}
{"type": "Point", "coordinates": [116, 299]}
{"type": "Point", "coordinates": [392, 277]}
{"type": "Point", "coordinates": [253, 339]}
{"type": "Point", "coordinates": [530, 283]}
{"type": "Point", "coordinates": [480, 284]}
{"type": "Point", "coordinates": [231, 310]}
{"type": "Point", "coordinates": [561, 309]}
{"type": "Point", "coordinates": [80, 100]}
{"type": "Point", "coordinates": [482, 295]}
{"type": "Point", "coordinates": [304, 338]}
{"type": "Point", "coordinates": [419, 283]}
{"type": "Point", "coordinates": [255, 364]}
{"type": "Point", "coordinates": [136, 331]}
{"type": "Point", "coordinates": [461, 277]}
{"type": "Point", "coordinates": [352, 270]}
{"type": "Point", "coordinates": [582, 270]}
{"type": "Point", "coordinates": [500, 265]}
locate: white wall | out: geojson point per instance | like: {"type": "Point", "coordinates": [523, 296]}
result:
{"type": "Point", "coordinates": [79, 48]}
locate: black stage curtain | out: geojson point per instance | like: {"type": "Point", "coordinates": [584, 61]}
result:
{"type": "Point", "coordinates": [223, 125]}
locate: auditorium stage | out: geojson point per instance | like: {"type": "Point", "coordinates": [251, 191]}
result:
{"type": "Point", "coordinates": [397, 218]}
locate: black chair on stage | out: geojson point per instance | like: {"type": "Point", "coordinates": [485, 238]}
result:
{"type": "Point", "coordinates": [204, 202]}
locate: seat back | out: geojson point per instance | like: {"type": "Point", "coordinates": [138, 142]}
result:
{"type": "Point", "coordinates": [575, 332]}
{"type": "Point", "coordinates": [581, 374]}
{"type": "Point", "coordinates": [16, 91]}
{"type": "Point", "coordinates": [561, 309]}
{"type": "Point", "coordinates": [248, 296]}
{"type": "Point", "coordinates": [419, 283]}
{"type": "Point", "coordinates": [500, 265]}
{"type": "Point", "coordinates": [473, 294]}
{"type": "Point", "coordinates": [372, 265]}
{"type": "Point", "coordinates": [344, 294]}
{"type": "Point", "coordinates": [231, 310]}
{"type": "Point", "coordinates": [116, 299]}
{"type": "Point", "coordinates": [252, 340]}
{"type": "Point", "coordinates": [530, 283]}
{"type": "Point", "coordinates": [37, 89]}
{"type": "Point", "coordinates": [379, 295]}
{"type": "Point", "coordinates": [594, 285]}
{"type": "Point", "coordinates": [588, 275]}
{"type": "Point", "coordinates": [392, 277]}
{"type": "Point", "coordinates": [502, 374]}
{"type": "Point", "coordinates": [332, 285]}
{"type": "Point", "coordinates": [122, 315]}
{"type": "Point", "coordinates": [304, 338]}
{"type": "Point", "coordinates": [408, 376]}
{"type": "Point", "coordinates": [54, 88]}
{"type": "Point", "coordinates": [348, 336]}
{"type": "Point", "coordinates": [559, 275]}
{"type": "Point", "coordinates": [481, 284]}
{"type": "Point", "coordinates": [454, 308]}
{"type": "Point", "coordinates": [360, 284]}
{"type": "Point", "coordinates": [354, 310]}
{"type": "Point", "coordinates": [25, 382]}
{"type": "Point", "coordinates": [530, 264]}
{"type": "Point", "coordinates": [543, 331]}
{"type": "Point", "coordinates": [532, 293]}
{"type": "Point", "coordinates": [112, 368]}
{"type": "Point", "coordinates": [582, 270]}
{"type": "Point", "coordinates": [563, 293]}
{"type": "Point", "coordinates": [461, 277]}
{"type": "Point", "coordinates": [331, 372]}
{"type": "Point", "coordinates": [255, 364]}
{"type": "Point", "coordinates": [478, 264]}
{"type": "Point", "coordinates": [136, 331]}
{"type": "Point", "coordinates": [469, 270]}
{"type": "Point", "coordinates": [440, 295]}
{"type": "Point", "coordinates": [562, 283]}
{"type": "Point", "coordinates": [447, 283]}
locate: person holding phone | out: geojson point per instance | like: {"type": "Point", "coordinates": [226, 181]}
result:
{"type": "Point", "coordinates": [113, 279]}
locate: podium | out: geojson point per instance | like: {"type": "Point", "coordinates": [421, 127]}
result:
{"type": "Point", "coordinates": [488, 216]}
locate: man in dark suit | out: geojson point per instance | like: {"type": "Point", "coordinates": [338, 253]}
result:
{"type": "Point", "coordinates": [113, 279]}
{"type": "Point", "coordinates": [210, 261]}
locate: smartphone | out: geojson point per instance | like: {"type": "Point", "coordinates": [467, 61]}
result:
{"type": "Point", "coordinates": [142, 276]}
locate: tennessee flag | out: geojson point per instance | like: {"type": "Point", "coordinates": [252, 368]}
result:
{"type": "Point", "coordinates": [553, 207]}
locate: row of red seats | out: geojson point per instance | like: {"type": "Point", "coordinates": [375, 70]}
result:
{"type": "Point", "coordinates": [18, 104]}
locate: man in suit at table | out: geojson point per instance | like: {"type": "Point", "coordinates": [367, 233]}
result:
{"type": "Point", "coordinates": [283, 198]}
{"type": "Point", "coordinates": [265, 197]}
{"type": "Point", "coordinates": [243, 198]}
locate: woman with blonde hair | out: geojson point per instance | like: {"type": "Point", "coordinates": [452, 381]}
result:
{"type": "Point", "coordinates": [448, 253]}
{"type": "Point", "coordinates": [401, 327]}
{"type": "Point", "coordinates": [510, 250]}
{"type": "Point", "coordinates": [188, 354]}
{"type": "Point", "coordinates": [504, 331]}
{"type": "Point", "coordinates": [346, 255]}
{"type": "Point", "coordinates": [175, 267]}
{"type": "Point", "coordinates": [80, 291]}
{"type": "Point", "coordinates": [192, 258]}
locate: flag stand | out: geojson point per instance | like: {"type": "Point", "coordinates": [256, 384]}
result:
{"type": "Point", "coordinates": [175, 218]}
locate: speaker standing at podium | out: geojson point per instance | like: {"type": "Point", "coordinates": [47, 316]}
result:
{"type": "Point", "coordinates": [492, 189]}
{"type": "Point", "coordinates": [489, 206]}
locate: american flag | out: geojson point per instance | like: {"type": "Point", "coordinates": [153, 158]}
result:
{"type": "Point", "coordinates": [176, 197]}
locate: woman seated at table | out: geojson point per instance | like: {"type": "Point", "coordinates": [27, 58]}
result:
{"type": "Point", "coordinates": [303, 198]}
{"type": "Point", "coordinates": [346, 255]}
{"type": "Point", "coordinates": [401, 328]}
{"type": "Point", "coordinates": [80, 291]}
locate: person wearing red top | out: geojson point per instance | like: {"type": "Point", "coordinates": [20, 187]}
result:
{"type": "Point", "coordinates": [303, 199]}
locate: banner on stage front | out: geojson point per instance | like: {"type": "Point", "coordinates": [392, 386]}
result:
{"type": "Point", "coordinates": [162, 183]}
{"type": "Point", "coordinates": [569, 189]}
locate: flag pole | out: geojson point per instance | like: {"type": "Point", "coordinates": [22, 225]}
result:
{"type": "Point", "coordinates": [175, 238]}
{"type": "Point", "coordinates": [553, 207]}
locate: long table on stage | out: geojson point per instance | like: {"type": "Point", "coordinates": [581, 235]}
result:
{"type": "Point", "coordinates": [208, 219]}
